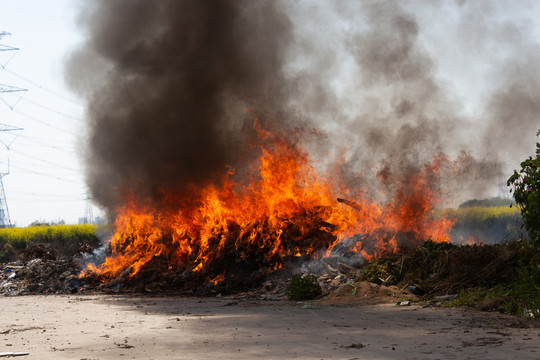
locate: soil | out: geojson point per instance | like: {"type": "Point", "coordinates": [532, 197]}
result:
{"type": "Point", "coordinates": [237, 327]}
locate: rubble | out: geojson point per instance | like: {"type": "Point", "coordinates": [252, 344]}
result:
{"type": "Point", "coordinates": [40, 270]}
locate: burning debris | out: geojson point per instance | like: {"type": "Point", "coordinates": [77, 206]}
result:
{"type": "Point", "coordinates": [284, 215]}
{"type": "Point", "coordinates": [241, 164]}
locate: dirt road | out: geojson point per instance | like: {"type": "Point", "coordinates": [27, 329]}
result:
{"type": "Point", "coordinates": [125, 327]}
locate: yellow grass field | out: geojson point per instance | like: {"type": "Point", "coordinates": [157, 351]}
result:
{"type": "Point", "coordinates": [61, 237]}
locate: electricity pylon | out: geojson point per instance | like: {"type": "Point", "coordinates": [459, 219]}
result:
{"type": "Point", "coordinates": [88, 213]}
{"type": "Point", "coordinates": [5, 219]}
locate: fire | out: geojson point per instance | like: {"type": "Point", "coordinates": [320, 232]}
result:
{"type": "Point", "coordinates": [281, 211]}
{"type": "Point", "coordinates": [217, 279]}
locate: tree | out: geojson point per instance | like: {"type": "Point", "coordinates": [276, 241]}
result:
{"type": "Point", "coordinates": [526, 187]}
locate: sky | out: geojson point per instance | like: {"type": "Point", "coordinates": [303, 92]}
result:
{"type": "Point", "coordinates": [46, 175]}
{"type": "Point", "coordinates": [45, 180]}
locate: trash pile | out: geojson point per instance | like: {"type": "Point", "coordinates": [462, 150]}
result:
{"type": "Point", "coordinates": [331, 272]}
{"type": "Point", "coordinates": [429, 272]}
{"type": "Point", "coordinates": [42, 269]}
{"type": "Point", "coordinates": [39, 269]}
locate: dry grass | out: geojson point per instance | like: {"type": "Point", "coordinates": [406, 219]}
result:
{"type": "Point", "coordinates": [507, 276]}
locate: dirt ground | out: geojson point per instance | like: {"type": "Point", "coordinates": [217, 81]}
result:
{"type": "Point", "coordinates": [144, 327]}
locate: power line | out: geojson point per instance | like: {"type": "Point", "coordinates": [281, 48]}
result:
{"type": "Point", "coordinates": [36, 144]}
{"type": "Point", "coordinates": [47, 200]}
{"type": "Point", "coordinates": [56, 196]}
{"type": "Point", "coordinates": [43, 87]}
{"type": "Point", "coordinates": [44, 122]}
{"type": "Point", "coordinates": [48, 175]}
{"type": "Point", "coordinates": [46, 142]}
{"type": "Point", "coordinates": [46, 161]}
{"type": "Point", "coordinates": [52, 110]}
{"type": "Point", "coordinates": [43, 167]}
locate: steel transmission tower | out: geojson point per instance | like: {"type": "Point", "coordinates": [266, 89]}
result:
{"type": "Point", "coordinates": [5, 220]}
{"type": "Point", "coordinates": [88, 213]}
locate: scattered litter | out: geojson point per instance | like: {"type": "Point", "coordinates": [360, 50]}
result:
{"type": "Point", "coordinates": [404, 303]}
{"type": "Point", "coordinates": [528, 313]}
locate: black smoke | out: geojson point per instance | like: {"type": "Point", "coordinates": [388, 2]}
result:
{"type": "Point", "coordinates": [167, 84]}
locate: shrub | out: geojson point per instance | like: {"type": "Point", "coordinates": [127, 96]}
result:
{"type": "Point", "coordinates": [526, 187]}
{"type": "Point", "coordinates": [303, 287]}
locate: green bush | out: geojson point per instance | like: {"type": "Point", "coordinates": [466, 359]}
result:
{"type": "Point", "coordinates": [526, 187]}
{"type": "Point", "coordinates": [303, 287]}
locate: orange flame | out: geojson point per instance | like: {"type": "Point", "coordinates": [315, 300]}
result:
{"type": "Point", "coordinates": [283, 211]}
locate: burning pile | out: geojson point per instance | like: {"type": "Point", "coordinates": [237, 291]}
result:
{"type": "Point", "coordinates": [199, 193]}
{"type": "Point", "coordinates": [282, 212]}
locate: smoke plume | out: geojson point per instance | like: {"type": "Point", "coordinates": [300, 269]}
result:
{"type": "Point", "coordinates": [168, 83]}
